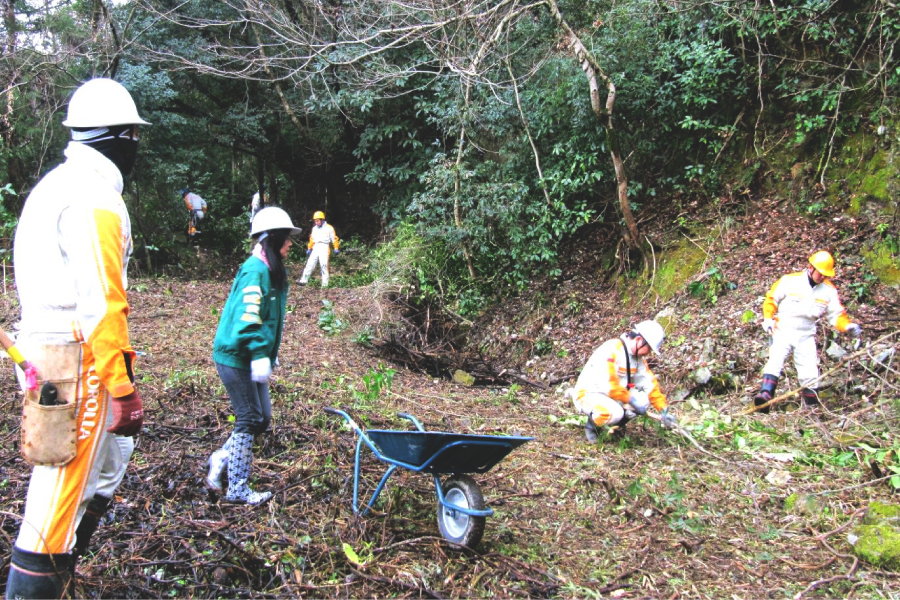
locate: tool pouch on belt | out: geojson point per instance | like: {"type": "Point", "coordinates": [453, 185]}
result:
{"type": "Point", "coordinates": [49, 432]}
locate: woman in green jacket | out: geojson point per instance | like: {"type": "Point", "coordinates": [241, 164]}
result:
{"type": "Point", "coordinates": [245, 348]}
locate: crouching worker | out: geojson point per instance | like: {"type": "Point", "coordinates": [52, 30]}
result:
{"type": "Point", "coordinates": [790, 312]}
{"type": "Point", "coordinates": [245, 349]}
{"type": "Point", "coordinates": [616, 385]}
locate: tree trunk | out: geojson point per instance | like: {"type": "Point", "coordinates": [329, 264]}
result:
{"type": "Point", "coordinates": [592, 71]}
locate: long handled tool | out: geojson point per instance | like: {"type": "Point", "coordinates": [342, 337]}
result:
{"type": "Point", "coordinates": [31, 373]}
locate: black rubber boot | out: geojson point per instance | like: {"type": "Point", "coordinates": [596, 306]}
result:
{"type": "Point", "coordinates": [810, 397]}
{"type": "Point", "coordinates": [33, 575]}
{"type": "Point", "coordinates": [89, 522]}
{"type": "Point", "coordinates": [591, 431]}
{"type": "Point", "coordinates": [766, 392]}
{"type": "Point", "coordinates": [618, 430]}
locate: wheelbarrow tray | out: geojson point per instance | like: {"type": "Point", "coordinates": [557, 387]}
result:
{"type": "Point", "coordinates": [438, 452]}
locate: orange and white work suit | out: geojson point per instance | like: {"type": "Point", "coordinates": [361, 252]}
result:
{"type": "Point", "coordinates": [197, 207]}
{"type": "Point", "coordinates": [796, 305]}
{"type": "Point", "coordinates": [71, 253]}
{"type": "Point", "coordinates": [602, 391]}
{"type": "Point", "coordinates": [320, 242]}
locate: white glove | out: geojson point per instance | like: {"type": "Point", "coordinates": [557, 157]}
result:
{"type": "Point", "coordinates": [260, 369]}
{"type": "Point", "coordinates": [854, 329]}
{"type": "Point", "coordinates": [769, 325]}
{"type": "Point", "coordinates": [667, 419]}
{"type": "Point", "coordinates": [639, 401]}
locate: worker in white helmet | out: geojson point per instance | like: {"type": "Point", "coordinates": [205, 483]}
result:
{"type": "Point", "coordinates": [616, 385]}
{"type": "Point", "coordinates": [321, 239]}
{"type": "Point", "coordinates": [72, 246]}
{"type": "Point", "coordinates": [790, 312]}
{"type": "Point", "coordinates": [246, 347]}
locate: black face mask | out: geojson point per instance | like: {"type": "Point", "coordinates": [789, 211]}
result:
{"type": "Point", "coordinates": [115, 143]}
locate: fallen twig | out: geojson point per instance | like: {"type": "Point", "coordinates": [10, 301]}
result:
{"type": "Point", "coordinates": [397, 583]}
{"type": "Point", "coordinates": [853, 516]}
{"type": "Point", "coordinates": [853, 487]}
{"type": "Point", "coordinates": [684, 433]}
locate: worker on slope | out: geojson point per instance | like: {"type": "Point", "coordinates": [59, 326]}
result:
{"type": "Point", "coordinates": [196, 209]}
{"type": "Point", "coordinates": [790, 311]}
{"type": "Point", "coordinates": [72, 246]}
{"type": "Point", "coordinates": [319, 247]}
{"type": "Point", "coordinates": [616, 385]}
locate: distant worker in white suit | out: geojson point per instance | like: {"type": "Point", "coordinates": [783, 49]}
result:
{"type": "Point", "coordinates": [616, 385]}
{"type": "Point", "coordinates": [258, 202]}
{"type": "Point", "coordinates": [320, 241]}
{"type": "Point", "coordinates": [790, 313]}
{"type": "Point", "coordinates": [196, 209]}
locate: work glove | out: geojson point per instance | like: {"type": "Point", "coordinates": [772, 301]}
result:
{"type": "Point", "coordinates": [667, 419]}
{"type": "Point", "coordinates": [336, 251]}
{"type": "Point", "coordinates": [639, 401]}
{"type": "Point", "coordinates": [308, 251]}
{"type": "Point", "coordinates": [128, 415]}
{"type": "Point", "coordinates": [260, 369]}
{"type": "Point", "coordinates": [768, 326]}
{"type": "Point", "coordinates": [854, 329]}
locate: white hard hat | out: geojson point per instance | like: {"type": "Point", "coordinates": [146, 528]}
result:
{"type": "Point", "coordinates": [100, 103]}
{"type": "Point", "coordinates": [652, 332]}
{"type": "Point", "coordinates": [270, 218]}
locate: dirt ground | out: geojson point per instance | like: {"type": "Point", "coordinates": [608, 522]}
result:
{"type": "Point", "coordinates": [760, 506]}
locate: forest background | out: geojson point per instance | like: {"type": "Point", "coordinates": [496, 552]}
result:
{"type": "Point", "coordinates": [494, 130]}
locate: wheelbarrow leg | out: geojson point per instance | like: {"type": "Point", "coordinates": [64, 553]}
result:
{"type": "Point", "coordinates": [377, 492]}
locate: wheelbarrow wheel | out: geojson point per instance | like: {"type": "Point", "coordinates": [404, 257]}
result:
{"type": "Point", "coordinates": [466, 530]}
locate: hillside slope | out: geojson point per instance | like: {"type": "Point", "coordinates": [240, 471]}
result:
{"type": "Point", "coordinates": [760, 508]}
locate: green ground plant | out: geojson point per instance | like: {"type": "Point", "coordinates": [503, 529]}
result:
{"type": "Point", "coordinates": [328, 321]}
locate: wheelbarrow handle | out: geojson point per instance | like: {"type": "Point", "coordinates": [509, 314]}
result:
{"type": "Point", "coordinates": [414, 420]}
{"type": "Point", "coordinates": [350, 421]}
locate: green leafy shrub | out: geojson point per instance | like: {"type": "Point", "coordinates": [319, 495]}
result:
{"type": "Point", "coordinates": [328, 322]}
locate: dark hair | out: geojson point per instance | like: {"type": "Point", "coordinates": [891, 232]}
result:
{"type": "Point", "coordinates": [271, 246]}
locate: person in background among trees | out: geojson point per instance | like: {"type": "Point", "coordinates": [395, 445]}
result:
{"type": "Point", "coordinates": [790, 312]}
{"type": "Point", "coordinates": [259, 202]}
{"type": "Point", "coordinates": [71, 250]}
{"type": "Point", "coordinates": [246, 347]}
{"type": "Point", "coordinates": [616, 385]}
{"type": "Point", "coordinates": [196, 208]}
{"type": "Point", "coordinates": [320, 240]}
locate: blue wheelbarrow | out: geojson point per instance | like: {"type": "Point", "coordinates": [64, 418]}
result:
{"type": "Point", "coordinates": [461, 511]}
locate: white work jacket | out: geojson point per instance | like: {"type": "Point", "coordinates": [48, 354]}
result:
{"type": "Point", "coordinates": [323, 234]}
{"type": "Point", "coordinates": [196, 202]}
{"type": "Point", "coordinates": [606, 372]}
{"type": "Point", "coordinates": [796, 305]}
{"type": "Point", "coordinates": [71, 255]}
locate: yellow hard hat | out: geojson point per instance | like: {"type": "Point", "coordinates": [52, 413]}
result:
{"type": "Point", "coordinates": [823, 262]}
{"type": "Point", "coordinates": [318, 215]}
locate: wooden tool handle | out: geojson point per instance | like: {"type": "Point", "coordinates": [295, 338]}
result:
{"type": "Point", "coordinates": [4, 340]}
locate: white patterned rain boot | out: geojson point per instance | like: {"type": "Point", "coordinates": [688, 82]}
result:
{"type": "Point", "coordinates": [240, 460]}
{"type": "Point", "coordinates": [218, 463]}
